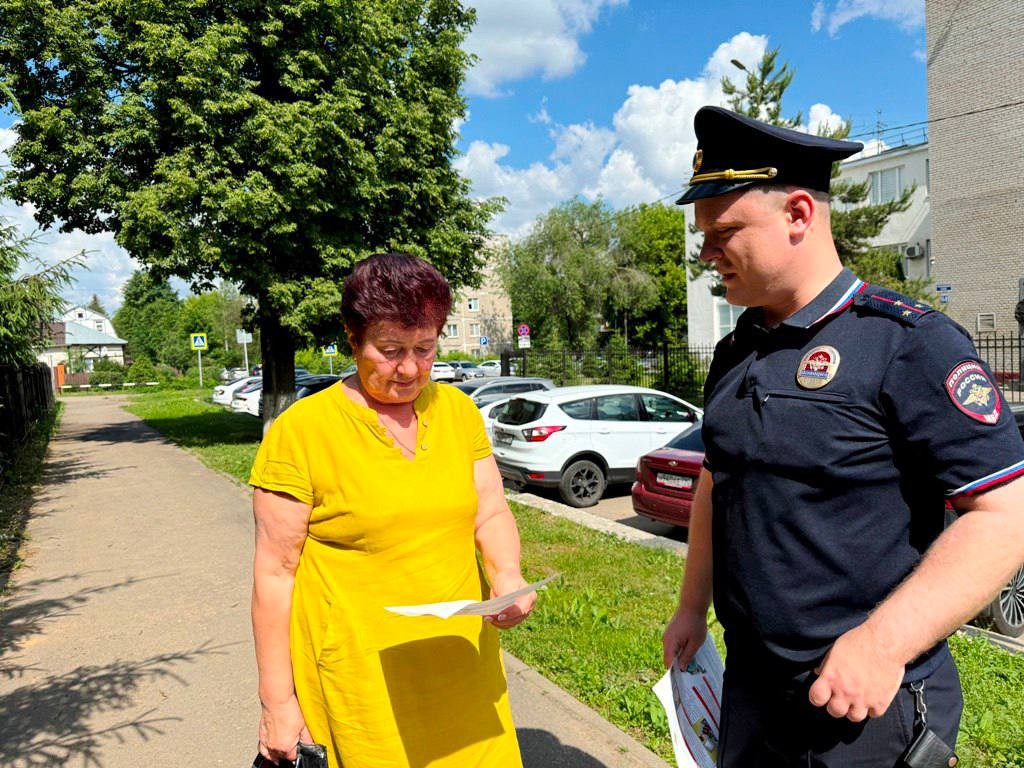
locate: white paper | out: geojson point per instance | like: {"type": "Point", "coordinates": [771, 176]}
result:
{"type": "Point", "coordinates": [692, 701]}
{"type": "Point", "coordinates": [469, 607]}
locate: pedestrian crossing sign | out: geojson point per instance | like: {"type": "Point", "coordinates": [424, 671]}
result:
{"type": "Point", "coordinates": [331, 350]}
{"type": "Point", "coordinates": [199, 341]}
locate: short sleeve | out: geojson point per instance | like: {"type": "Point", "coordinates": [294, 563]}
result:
{"type": "Point", "coordinates": [281, 463]}
{"type": "Point", "coordinates": [948, 411]}
{"type": "Point", "coordinates": [474, 421]}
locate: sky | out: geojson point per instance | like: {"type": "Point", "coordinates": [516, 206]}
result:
{"type": "Point", "coordinates": [595, 98]}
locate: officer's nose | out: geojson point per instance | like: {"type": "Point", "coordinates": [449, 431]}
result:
{"type": "Point", "coordinates": [708, 252]}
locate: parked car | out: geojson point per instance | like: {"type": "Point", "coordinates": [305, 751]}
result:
{"type": "Point", "coordinates": [443, 372]}
{"type": "Point", "coordinates": [666, 478]}
{"type": "Point", "coordinates": [490, 412]}
{"type": "Point", "coordinates": [305, 386]}
{"type": "Point", "coordinates": [490, 367]}
{"type": "Point", "coordinates": [483, 391]}
{"type": "Point", "coordinates": [228, 375]}
{"type": "Point", "coordinates": [247, 399]}
{"type": "Point", "coordinates": [579, 439]}
{"type": "Point", "coordinates": [223, 393]}
{"type": "Point", "coordinates": [257, 370]}
{"type": "Point", "coordinates": [466, 369]}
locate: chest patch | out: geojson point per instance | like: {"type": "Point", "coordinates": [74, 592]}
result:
{"type": "Point", "coordinates": [818, 367]}
{"type": "Point", "coordinates": [973, 392]}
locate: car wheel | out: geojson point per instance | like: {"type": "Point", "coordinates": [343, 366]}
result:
{"type": "Point", "coordinates": [1006, 612]}
{"type": "Point", "coordinates": [582, 484]}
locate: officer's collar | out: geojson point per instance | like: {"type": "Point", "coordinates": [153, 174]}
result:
{"type": "Point", "coordinates": [836, 297]}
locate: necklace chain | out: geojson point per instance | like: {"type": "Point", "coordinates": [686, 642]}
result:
{"type": "Point", "coordinates": [395, 438]}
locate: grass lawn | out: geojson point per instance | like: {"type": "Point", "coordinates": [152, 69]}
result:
{"type": "Point", "coordinates": [597, 630]}
{"type": "Point", "coordinates": [16, 492]}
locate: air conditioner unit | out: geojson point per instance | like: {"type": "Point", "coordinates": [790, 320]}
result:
{"type": "Point", "coordinates": [913, 251]}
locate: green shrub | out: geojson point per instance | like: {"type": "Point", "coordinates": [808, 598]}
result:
{"type": "Point", "coordinates": [105, 364]}
{"type": "Point", "coordinates": [114, 378]}
{"type": "Point", "coordinates": [141, 371]}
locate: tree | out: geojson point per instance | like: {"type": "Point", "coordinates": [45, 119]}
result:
{"type": "Point", "coordinates": [271, 144]}
{"type": "Point", "coordinates": [95, 305]}
{"type": "Point", "coordinates": [854, 224]}
{"type": "Point", "coordinates": [28, 301]}
{"type": "Point", "coordinates": [148, 317]}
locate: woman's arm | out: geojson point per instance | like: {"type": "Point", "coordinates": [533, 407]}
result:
{"type": "Point", "coordinates": [497, 538]}
{"type": "Point", "coordinates": [281, 524]}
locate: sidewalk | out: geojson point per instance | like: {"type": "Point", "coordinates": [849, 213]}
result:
{"type": "Point", "coordinates": [125, 640]}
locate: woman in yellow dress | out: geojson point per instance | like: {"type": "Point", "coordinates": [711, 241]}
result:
{"type": "Point", "coordinates": [376, 492]}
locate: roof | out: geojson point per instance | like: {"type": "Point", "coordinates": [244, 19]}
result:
{"type": "Point", "coordinates": [564, 394]}
{"type": "Point", "coordinates": [76, 335]}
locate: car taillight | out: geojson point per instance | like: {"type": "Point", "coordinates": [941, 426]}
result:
{"type": "Point", "coordinates": [540, 434]}
{"type": "Point", "coordinates": [639, 467]}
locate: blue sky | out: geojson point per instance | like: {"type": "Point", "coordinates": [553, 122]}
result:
{"type": "Point", "coordinates": [596, 97]}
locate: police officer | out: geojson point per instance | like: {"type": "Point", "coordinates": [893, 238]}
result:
{"type": "Point", "coordinates": [839, 417]}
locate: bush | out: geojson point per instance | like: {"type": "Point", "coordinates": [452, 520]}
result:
{"type": "Point", "coordinates": [105, 364]}
{"type": "Point", "coordinates": [142, 370]}
{"type": "Point", "coordinates": [114, 378]}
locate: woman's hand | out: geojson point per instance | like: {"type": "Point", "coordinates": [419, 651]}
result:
{"type": "Point", "coordinates": [282, 727]}
{"type": "Point", "coordinates": [503, 583]}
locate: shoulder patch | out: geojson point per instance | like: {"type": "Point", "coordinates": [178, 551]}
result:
{"type": "Point", "coordinates": [972, 391]}
{"type": "Point", "coordinates": [892, 304]}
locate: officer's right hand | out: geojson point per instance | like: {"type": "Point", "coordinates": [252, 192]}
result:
{"type": "Point", "coordinates": [684, 635]}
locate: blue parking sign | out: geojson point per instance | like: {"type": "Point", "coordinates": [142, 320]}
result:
{"type": "Point", "coordinates": [484, 341]}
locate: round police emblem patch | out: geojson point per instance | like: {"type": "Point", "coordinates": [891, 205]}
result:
{"type": "Point", "coordinates": [973, 392]}
{"type": "Point", "coordinates": [818, 367]}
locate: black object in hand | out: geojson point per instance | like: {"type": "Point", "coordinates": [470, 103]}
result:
{"type": "Point", "coordinates": [308, 756]}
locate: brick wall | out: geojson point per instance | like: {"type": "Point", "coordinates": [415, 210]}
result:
{"type": "Point", "coordinates": [975, 50]}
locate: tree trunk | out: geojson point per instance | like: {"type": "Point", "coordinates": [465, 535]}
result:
{"type": "Point", "coordinates": [278, 348]}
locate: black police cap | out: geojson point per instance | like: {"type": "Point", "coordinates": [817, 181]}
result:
{"type": "Point", "coordinates": [735, 151]}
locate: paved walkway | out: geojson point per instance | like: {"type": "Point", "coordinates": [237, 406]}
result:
{"type": "Point", "coordinates": [125, 640]}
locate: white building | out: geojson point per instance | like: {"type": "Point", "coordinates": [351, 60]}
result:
{"type": "Point", "coordinates": [85, 336]}
{"type": "Point", "coordinates": [890, 172]}
{"type": "Point", "coordinates": [478, 313]}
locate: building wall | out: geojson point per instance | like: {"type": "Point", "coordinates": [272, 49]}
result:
{"type": "Point", "coordinates": [484, 311]}
{"type": "Point", "coordinates": [700, 310]}
{"type": "Point", "coordinates": [89, 319]}
{"type": "Point", "coordinates": [974, 59]}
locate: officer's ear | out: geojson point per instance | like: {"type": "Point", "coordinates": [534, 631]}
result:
{"type": "Point", "coordinates": [800, 208]}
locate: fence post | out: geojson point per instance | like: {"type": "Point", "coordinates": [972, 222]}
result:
{"type": "Point", "coordinates": [664, 365]}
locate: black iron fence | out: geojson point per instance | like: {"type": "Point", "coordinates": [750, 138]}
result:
{"type": "Point", "coordinates": [682, 369]}
{"type": "Point", "coordinates": [26, 394]}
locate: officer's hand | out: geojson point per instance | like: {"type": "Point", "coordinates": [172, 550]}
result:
{"type": "Point", "coordinates": [858, 678]}
{"type": "Point", "coordinates": [684, 636]}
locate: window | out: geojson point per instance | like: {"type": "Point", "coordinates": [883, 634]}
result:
{"type": "Point", "coordinates": [81, 315]}
{"type": "Point", "coordinates": [928, 258]}
{"type": "Point", "coordinates": [474, 305]}
{"type": "Point", "coordinates": [99, 325]}
{"type": "Point", "coordinates": [579, 409]}
{"type": "Point", "coordinates": [661, 408]}
{"type": "Point", "coordinates": [526, 386]}
{"type": "Point", "coordinates": [986, 322]}
{"type": "Point", "coordinates": [453, 331]}
{"type": "Point", "coordinates": [886, 185]}
{"type": "Point", "coordinates": [727, 316]}
{"type": "Point", "coordinates": [617, 408]}
{"type": "Point", "coordinates": [474, 329]}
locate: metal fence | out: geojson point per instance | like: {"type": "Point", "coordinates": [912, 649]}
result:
{"type": "Point", "coordinates": [682, 369]}
{"type": "Point", "coordinates": [26, 394]}
{"type": "Point", "coordinates": [678, 369]}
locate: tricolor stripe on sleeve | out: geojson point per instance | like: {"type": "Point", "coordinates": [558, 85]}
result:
{"type": "Point", "coordinates": [996, 478]}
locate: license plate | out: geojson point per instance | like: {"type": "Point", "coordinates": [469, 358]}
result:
{"type": "Point", "coordinates": [502, 438]}
{"type": "Point", "coordinates": [674, 481]}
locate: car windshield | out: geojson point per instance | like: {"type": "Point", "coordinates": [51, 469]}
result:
{"type": "Point", "coordinates": [469, 387]}
{"type": "Point", "coordinates": [690, 440]}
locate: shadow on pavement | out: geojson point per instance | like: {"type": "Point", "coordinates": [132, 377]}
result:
{"type": "Point", "coordinates": [541, 749]}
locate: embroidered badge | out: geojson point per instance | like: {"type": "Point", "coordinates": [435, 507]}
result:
{"type": "Point", "coordinates": [698, 158]}
{"type": "Point", "coordinates": [973, 392]}
{"type": "Point", "coordinates": [818, 367]}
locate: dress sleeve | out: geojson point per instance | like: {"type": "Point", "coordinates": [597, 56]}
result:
{"type": "Point", "coordinates": [948, 412]}
{"type": "Point", "coordinates": [474, 421]}
{"type": "Point", "coordinates": [281, 463]}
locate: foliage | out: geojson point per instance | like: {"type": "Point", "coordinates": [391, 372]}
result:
{"type": "Point", "coordinates": [270, 144]}
{"type": "Point", "coordinates": [28, 301]}
{"type": "Point", "coordinates": [141, 371]}
{"type": "Point", "coordinates": [95, 305]}
{"type": "Point", "coordinates": [761, 94]}
{"type": "Point", "coordinates": [114, 378]}
{"type": "Point", "coordinates": [107, 365]}
{"type": "Point", "coordinates": [147, 319]}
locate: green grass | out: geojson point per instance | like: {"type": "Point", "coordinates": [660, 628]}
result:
{"type": "Point", "coordinates": [16, 491]}
{"type": "Point", "coordinates": [597, 630]}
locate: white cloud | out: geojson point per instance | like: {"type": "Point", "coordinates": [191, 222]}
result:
{"type": "Point", "coordinates": [645, 156]}
{"type": "Point", "coordinates": [821, 116]}
{"type": "Point", "coordinates": [921, 55]}
{"type": "Point", "coordinates": [909, 14]}
{"type": "Point", "coordinates": [541, 115]}
{"type": "Point", "coordinates": [521, 39]}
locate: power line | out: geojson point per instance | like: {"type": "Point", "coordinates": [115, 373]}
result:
{"type": "Point", "coordinates": [944, 117]}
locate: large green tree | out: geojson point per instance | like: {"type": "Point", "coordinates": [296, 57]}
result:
{"type": "Point", "coordinates": [148, 317]}
{"type": "Point", "coordinates": [30, 297]}
{"type": "Point", "coordinates": [270, 143]}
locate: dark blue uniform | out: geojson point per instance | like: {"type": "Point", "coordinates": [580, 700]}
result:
{"type": "Point", "coordinates": [834, 440]}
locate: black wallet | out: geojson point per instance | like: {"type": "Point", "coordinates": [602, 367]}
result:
{"type": "Point", "coordinates": [308, 756]}
{"type": "Point", "coordinates": [929, 751]}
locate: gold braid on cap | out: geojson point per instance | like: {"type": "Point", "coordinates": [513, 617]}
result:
{"type": "Point", "coordinates": [754, 174]}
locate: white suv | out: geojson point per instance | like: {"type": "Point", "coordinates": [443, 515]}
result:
{"type": "Point", "coordinates": [442, 371]}
{"type": "Point", "coordinates": [579, 439]}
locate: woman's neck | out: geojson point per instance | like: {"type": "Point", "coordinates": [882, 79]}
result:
{"type": "Point", "coordinates": [397, 411]}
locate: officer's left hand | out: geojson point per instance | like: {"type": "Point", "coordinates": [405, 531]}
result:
{"type": "Point", "coordinates": [858, 678]}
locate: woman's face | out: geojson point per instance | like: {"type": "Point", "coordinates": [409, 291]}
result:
{"type": "Point", "coordinates": [393, 363]}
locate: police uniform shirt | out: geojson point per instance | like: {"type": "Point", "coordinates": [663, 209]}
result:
{"type": "Point", "coordinates": [834, 440]}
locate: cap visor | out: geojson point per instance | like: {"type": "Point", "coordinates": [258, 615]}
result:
{"type": "Point", "coordinates": [710, 189]}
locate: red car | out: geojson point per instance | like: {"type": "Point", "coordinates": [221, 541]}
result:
{"type": "Point", "coordinates": [665, 479]}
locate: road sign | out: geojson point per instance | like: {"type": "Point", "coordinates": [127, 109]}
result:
{"type": "Point", "coordinates": [198, 341]}
{"type": "Point", "coordinates": [944, 298]}
{"type": "Point", "coordinates": [943, 287]}
{"type": "Point", "coordinates": [331, 350]}
{"type": "Point", "coordinates": [484, 341]}
{"type": "Point", "coordinates": [243, 336]}
{"type": "Point", "coordinates": [523, 330]}
{"type": "Point", "coordinates": [524, 342]}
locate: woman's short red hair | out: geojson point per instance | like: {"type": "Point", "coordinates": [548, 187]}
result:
{"type": "Point", "coordinates": [394, 288]}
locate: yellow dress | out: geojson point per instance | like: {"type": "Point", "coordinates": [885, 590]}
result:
{"type": "Point", "coordinates": [379, 689]}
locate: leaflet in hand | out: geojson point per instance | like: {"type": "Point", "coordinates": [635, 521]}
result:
{"type": "Point", "coordinates": [490, 607]}
{"type": "Point", "coordinates": [692, 700]}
